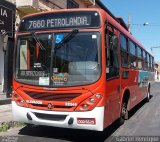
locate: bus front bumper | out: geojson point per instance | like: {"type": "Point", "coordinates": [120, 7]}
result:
{"type": "Point", "coordinates": [89, 120]}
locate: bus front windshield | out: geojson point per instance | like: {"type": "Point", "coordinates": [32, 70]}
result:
{"type": "Point", "coordinates": [45, 60]}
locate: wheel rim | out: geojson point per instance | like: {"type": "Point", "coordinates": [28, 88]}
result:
{"type": "Point", "coordinates": [124, 110]}
{"type": "Point", "coordinates": [148, 94]}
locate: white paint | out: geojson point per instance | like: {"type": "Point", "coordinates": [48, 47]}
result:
{"type": "Point", "coordinates": [70, 104]}
{"type": "Point", "coordinates": [33, 102]}
{"type": "Point", "coordinates": [3, 12]}
{"type": "Point", "coordinates": [19, 114]}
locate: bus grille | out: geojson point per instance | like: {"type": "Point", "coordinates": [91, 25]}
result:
{"type": "Point", "coordinates": [50, 117]}
{"type": "Point", "coordinates": [55, 106]}
{"type": "Point", "coordinates": [51, 96]}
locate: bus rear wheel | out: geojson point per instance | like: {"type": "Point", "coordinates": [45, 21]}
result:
{"type": "Point", "coordinates": [148, 94]}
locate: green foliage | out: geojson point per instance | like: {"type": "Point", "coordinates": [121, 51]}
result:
{"type": "Point", "coordinates": [4, 127]}
{"type": "Point", "coordinates": [7, 125]}
{"type": "Point", "coordinates": [20, 124]}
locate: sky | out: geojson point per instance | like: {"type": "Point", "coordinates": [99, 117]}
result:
{"type": "Point", "coordinates": [140, 12]}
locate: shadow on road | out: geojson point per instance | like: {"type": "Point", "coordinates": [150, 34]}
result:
{"type": "Point", "coordinates": [68, 134]}
{"type": "Point", "coordinates": [74, 135]}
{"type": "Point", "coordinates": [140, 105]}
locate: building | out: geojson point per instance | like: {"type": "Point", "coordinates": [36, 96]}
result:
{"type": "Point", "coordinates": [7, 22]}
{"type": "Point", "coordinates": [32, 6]}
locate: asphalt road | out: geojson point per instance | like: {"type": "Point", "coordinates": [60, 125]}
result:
{"type": "Point", "coordinates": [144, 121]}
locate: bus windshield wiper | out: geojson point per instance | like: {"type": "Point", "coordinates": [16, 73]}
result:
{"type": "Point", "coordinates": [67, 38]}
{"type": "Point", "coordinates": [37, 40]}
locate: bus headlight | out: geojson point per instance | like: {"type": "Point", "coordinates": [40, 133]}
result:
{"type": "Point", "coordinates": [84, 106]}
{"type": "Point", "coordinates": [89, 103]}
{"type": "Point", "coordinates": [19, 100]}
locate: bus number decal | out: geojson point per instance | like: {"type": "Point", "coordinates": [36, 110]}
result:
{"type": "Point", "coordinates": [70, 104]}
{"type": "Point", "coordinates": [36, 24]}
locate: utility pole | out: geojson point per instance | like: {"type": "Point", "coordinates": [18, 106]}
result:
{"type": "Point", "coordinates": [129, 24]}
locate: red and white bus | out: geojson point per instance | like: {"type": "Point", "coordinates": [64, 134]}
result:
{"type": "Point", "coordinates": [78, 69]}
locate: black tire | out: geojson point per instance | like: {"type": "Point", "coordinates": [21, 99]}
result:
{"type": "Point", "coordinates": [124, 113]}
{"type": "Point", "coordinates": [148, 95]}
{"type": "Point", "coordinates": [30, 125]}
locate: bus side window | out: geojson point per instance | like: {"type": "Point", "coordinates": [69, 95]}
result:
{"type": "Point", "coordinates": [124, 51]}
{"type": "Point", "coordinates": [112, 62]}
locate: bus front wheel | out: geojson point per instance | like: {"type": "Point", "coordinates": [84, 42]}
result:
{"type": "Point", "coordinates": [124, 113]}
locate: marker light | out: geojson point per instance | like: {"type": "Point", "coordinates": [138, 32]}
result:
{"type": "Point", "coordinates": [19, 100]}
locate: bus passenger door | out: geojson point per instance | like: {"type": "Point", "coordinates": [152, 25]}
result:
{"type": "Point", "coordinates": [112, 73]}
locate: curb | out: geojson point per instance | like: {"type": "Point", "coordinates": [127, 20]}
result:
{"type": "Point", "coordinates": [5, 101]}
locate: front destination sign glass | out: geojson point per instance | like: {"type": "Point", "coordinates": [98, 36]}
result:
{"type": "Point", "coordinates": [76, 19]}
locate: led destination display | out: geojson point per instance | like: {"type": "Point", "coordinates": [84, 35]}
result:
{"type": "Point", "coordinates": [61, 20]}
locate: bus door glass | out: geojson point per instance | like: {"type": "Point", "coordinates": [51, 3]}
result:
{"type": "Point", "coordinates": [112, 72]}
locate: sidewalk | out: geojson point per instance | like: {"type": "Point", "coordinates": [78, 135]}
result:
{"type": "Point", "coordinates": [5, 108]}
{"type": "Point", "coordinates": [6, 113]}
{"type": "Point", "coordinates": [156, 80]}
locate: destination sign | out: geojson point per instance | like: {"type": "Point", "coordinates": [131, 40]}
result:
{"type": "Point", "coordinates": [60, 21]}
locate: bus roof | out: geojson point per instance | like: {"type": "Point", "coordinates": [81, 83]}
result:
{"type": "Point", "coordinates": [63, 10]}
